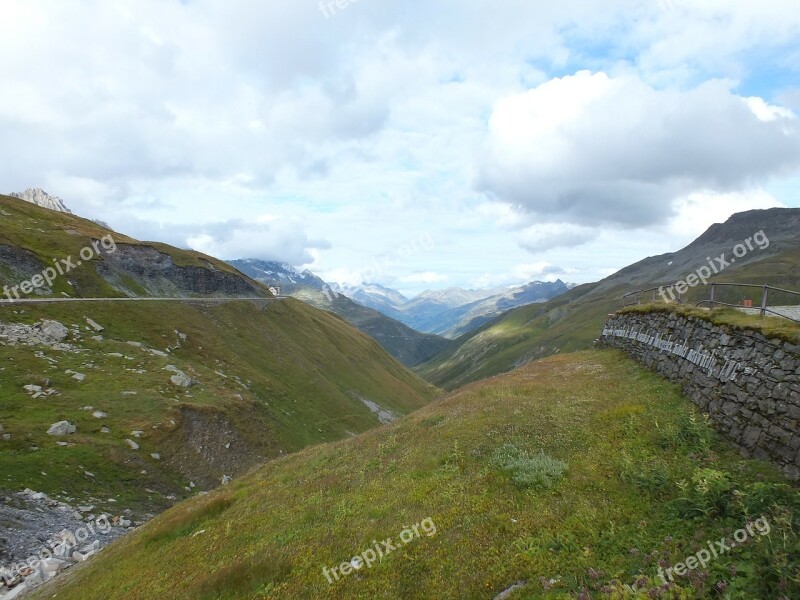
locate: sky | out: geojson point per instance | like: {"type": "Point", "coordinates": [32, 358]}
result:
{"type": "Point", "coordinates": [471, 143]}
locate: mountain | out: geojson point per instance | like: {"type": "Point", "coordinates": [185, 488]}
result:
{"type": "Point", "coordinates": [41, 198]}
{"type": "Point", "coordinates": [407, 345]}
{"type": "Point", "coordinates": [453, 311]}
{"type": "Point", "coordinates": [448, 316]}
{"type": "Point", "coordinates": [572, 321]}
{"type": "Point", "coordinates": [277, 273]}
{"type": "Point", "coordinates": [378, 297]}
{"type": "Point", "coordinates": [167, 398]}
{"type": "Point", "coordinates": [549, 482]}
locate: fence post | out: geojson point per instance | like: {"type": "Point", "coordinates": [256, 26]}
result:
{"type": "Point", "coordinates": [711, 298]}
{"type": "Point", "coordinates": [764, 301]}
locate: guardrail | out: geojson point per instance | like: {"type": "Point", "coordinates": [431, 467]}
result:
{"type": "Point", "coordinates": [633, 298]}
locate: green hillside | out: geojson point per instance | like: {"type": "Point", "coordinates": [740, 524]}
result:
{"type": "Point", "coordinates": [407, 345]}
{"type": "Point", "coordinates": [573, 321]}
{"type": "Point", "coordinates": [269, 377]}
{"type": "Point", "coordinates": [571, 477]}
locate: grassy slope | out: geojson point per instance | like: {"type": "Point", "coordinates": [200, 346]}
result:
{"type": "Point", "coordinates": [633, 446]}
{"type": "Point", "coordinates": [407, 345]}
{"type": "Point", "coordinates": [563, 324]}
{"type": "Point", "coordinates": [298, 371]}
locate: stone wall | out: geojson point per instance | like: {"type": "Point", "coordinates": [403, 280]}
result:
{"type": "Point", "coordinates": [748, 384]}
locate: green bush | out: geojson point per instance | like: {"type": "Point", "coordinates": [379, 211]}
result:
{"type": "Point", "coordinates": [536, 471]}
{"type": "Point", "coordinates": [649, 474]}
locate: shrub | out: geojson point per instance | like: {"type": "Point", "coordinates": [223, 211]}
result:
{"type": "Point", "coordinates": [537, 471]}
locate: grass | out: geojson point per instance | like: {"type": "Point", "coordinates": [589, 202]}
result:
{"type": "Point", "coordinates": [776, 327]}
{"type": "Point", "coordinates": [647, 481]}
{"type": "Point", "coordinates": [281, 378]}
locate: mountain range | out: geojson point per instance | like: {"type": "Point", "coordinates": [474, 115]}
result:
{"type": "Point", "coordinates": [449, 312]}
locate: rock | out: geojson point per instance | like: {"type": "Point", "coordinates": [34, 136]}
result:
{"type": "Point", "coordinates": [55, 331]}
{"type": "Point", "coordinates": [16, 592]}
{"type": "Point", "coordinates": [98, 338]}
{"type": "Point", "coordinates": [62, 428]}
{"type": "Point", "coordinates": [99, 414]}
{"type": "Point", "coordinates": [156, 456]}
{"type": "Point", "coordinates": [41, 198]}
{"type": "Point", "coordinates": [124, 523]}
{"type": "Point", "coordinates": [79, 376]}
{"type": "Point", "coordinates": [85, 509]}
{"type": "Point", "coordinates": [226, 479]}
{"type": "Point", "coordinates": [182, 380]}
{"type": "Point", "coordinates": [33, 389]}
{"type": "Point", "coordinates": [93, 547]}
{"type": "Point", "coordinates": [53, 565]}
{"type": "Point", "coordinates": [105, 430]}
{"type": "Point", "coordinates": [133, 445]}
{"type": "Point", "coordinates": [93, 325]}
{"type": "Point", "coordinates": [6, 436]}
{"type": "Point", "coordinates": [137, 434]}
{"type": "Point", "coordinates": [81, 557]}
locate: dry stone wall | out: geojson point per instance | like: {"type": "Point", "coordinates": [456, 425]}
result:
{"type": "Point", "coordinates": [748, 384]}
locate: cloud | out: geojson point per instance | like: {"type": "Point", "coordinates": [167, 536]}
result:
{"type": "Point", "coordinates": [522, 273]}
{"type": "Point", "coordinates": [593, 149]}
{"type": "Point", "coordinates": [269, 238]}
{"type": "Point", "coordinates": [548, 236]}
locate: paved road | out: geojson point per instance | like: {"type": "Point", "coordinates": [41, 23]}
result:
{"type": "Point", "coordinates": [55, 300]}
{"type": "Point", "coordinates": [790, 312]}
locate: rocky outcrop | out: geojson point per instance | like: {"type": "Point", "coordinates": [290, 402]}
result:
{"type": "Point", "coordinates": [156, 274]}
{"type": "Point", "coordinates": [748, 384]}
{"type": "Point", "coordinates": [41, 198]}
{"type": "Point", "coordinates": [47, 333]}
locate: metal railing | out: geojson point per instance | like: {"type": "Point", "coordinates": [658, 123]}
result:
{"type": "Point", "coordinates": [634, 298]}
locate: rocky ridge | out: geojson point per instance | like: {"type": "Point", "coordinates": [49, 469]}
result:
{"type": "Point", "coordinates": [41, 198]}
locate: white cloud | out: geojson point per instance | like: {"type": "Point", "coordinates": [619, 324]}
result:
{"type": "Point", "coordinates": [547, 236]}
{"type": "Point", "coordinates": [190, 121]}
{"type": "Point", "coordinates": [593, 149]}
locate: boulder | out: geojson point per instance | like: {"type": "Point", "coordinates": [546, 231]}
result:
{"type": "Point", "coordinates": [181, 379]}
{"type": "Point", "coordinates": [62, 428]}
{"type": "Point", "coordinates": [133, 445]}
{"type": "Point", "coordinates": [54, 331]}
{"type": "Point", "coordinates": [93, 325]}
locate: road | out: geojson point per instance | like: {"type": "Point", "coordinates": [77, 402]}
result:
{"type": "Point", "coordinates": [56, 300]}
